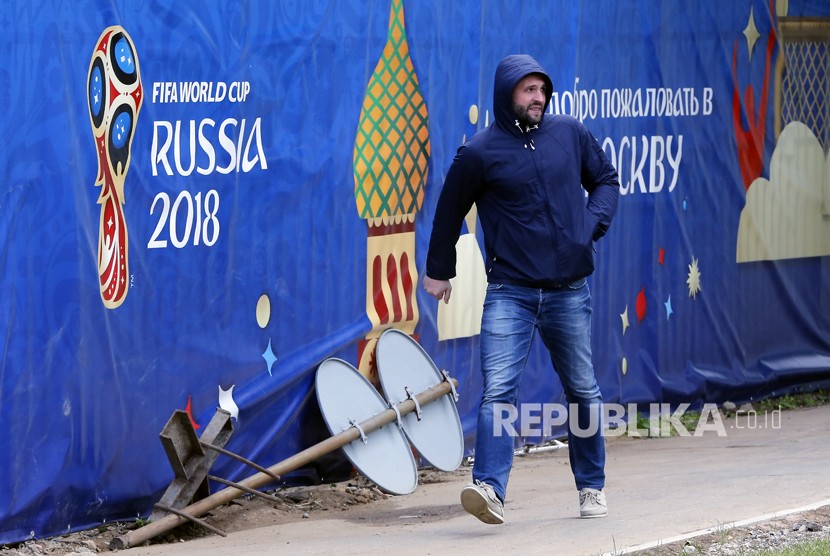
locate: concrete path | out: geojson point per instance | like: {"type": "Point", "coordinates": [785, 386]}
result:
{"type": "Point", "coordinates": [657, 489]}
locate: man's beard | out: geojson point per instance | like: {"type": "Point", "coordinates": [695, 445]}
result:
{"type": "Point", "coordinates": [523, 116]}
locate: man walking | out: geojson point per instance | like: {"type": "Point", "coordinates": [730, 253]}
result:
{"type": "Point", "coordinates": [528, 174]}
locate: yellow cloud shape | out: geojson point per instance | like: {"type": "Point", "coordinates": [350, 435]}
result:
{"type": "Point", "coordinates": [788, 216]}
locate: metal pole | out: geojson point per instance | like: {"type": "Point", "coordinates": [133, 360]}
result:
{"type": "Point", "coordinates": [296, 461]}
{"type": "Point", "coordinates": [237, 457]}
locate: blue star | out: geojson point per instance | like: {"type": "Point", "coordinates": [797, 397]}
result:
{"type": "Point", "coordinates": [269, 357]}
{"type": "Point", "coordinates": [668, 308]}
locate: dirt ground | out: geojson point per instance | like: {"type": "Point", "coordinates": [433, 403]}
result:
{"type": "Point", "coordinates": [358, 498]}
{"type": "Point", "coordinates": [249, 512]}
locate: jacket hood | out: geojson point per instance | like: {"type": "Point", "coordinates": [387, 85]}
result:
{"type": "Point", "coordinates": [509, 72]}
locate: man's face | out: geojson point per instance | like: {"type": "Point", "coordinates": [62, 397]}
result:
{"type": "Point", "coordinates": [529, 99]}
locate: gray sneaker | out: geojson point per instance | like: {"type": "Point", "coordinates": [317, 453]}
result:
{"type": "Point", "coordinates": [480, 500]}
{"type": "Point", "coordinates": [592, 503]}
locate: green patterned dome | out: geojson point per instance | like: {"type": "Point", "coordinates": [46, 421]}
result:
{"type": "Point", "coordinates": [391, 151]}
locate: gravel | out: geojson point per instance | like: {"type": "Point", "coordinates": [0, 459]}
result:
{"type": "Point", "coordinates": [775, 534]}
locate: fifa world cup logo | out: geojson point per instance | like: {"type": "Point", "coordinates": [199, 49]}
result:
{"type": "Point", "coordinates": [115, 95]}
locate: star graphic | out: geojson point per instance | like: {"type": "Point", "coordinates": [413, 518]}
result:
{"type": "Point", "coordinates": [269, 357]}
{"type": "Point", "coordinates": [669, 310]}
{"type": "Point", "coordinates": [642, 304]}
{"type": "Point", "coordinates": [751, 33]}
{"type": "Point", "coordinates": [693, 279]}
{"type": "Point", "coordinates": [189, 410]}
{"type": "Point", "coordinates": [227, 402]}
{"type": "Point", "coordinates": [624, 317]}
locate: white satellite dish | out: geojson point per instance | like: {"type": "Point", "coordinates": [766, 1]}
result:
{"type": "Point", "coordinates": [346, 399]}
{"type": "Point", "coordinates": [406, 369]}
{"type": "Point", "coordinates": [367, 429]}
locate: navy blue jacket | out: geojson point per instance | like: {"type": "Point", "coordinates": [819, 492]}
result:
{"type": "Point", "coordinates": [529, 187]}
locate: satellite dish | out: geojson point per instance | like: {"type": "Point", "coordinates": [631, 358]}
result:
{"type": "Point", "coordinates": [406, 369]}
{"type": "Point", "coordinates": [347, 401]}
{"type": "Point", "coordinates": [347, 398]}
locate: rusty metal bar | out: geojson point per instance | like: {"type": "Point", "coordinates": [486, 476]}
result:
{"type": "Point", "coordinates": [237, 457]}
{"type": "Point", "coordinates": [191, 518]}
{"type": "Point", "coordinates": [187, 457]}
{"type": "Point", "coordinates": [294, 462]}
{"type": "Point", "coordinates": [253, 491]}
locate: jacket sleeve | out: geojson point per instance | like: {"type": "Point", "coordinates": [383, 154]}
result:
{"type": "Point", "coordinates": [601, 181]}
{"type": "Point", "coordinates": [461, 186]}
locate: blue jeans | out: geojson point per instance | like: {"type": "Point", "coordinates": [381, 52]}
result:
{"type": "Point", "coordinates": [512, 315]}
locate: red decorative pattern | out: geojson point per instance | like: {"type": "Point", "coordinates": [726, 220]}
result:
{"type": "Point", "coordinates": [750, 139]}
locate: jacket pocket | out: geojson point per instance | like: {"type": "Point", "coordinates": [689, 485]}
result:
{"type": "Point", "coordinates": [589, 230]}
{"type": "Point", "coordinates": [578, 284]}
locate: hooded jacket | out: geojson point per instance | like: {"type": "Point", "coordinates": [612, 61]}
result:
{"type": "Point", "coordinates": [529, 187]}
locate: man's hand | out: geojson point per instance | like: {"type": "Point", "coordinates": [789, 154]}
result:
{"type": "Point", "coordinates": [439, 289]}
